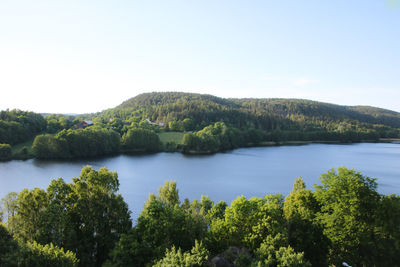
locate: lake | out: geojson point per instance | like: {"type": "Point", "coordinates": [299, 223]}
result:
{"type": "Point", "coordinates": [223, 176]}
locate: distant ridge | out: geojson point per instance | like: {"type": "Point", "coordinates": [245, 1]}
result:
{"type": "Point", "coordinates": [155, 98]}
{"type": "Point", "coordinates": [275, 107]}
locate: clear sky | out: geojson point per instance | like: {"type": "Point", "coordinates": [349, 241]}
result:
{"type": "Point", "coordinates": [81, 56]}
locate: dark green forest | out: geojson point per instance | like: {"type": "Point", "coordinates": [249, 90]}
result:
{"type": "Point", "coordinates": [209, 124]}
{"type": "Point", "coordinates": [87, 223]}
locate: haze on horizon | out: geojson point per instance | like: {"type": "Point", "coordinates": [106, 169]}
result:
{"type": "Point", "coordinates": [86, 56]}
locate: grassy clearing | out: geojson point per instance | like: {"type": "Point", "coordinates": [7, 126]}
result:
{"type": "Point", "coordinates": [171, 137]}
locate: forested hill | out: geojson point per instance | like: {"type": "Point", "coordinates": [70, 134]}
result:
{"type": "Point", "coordinates": [190, 123]}
{"type": "Point", "coordinates": [258, 113]}
{"type": "Point", "coordinates": [150, 99]}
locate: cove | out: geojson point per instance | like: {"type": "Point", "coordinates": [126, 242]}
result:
{"type": "Point", "coordinates": [222, 176]}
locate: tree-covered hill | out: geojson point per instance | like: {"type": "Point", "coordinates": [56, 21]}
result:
{"type": "Point", "coordinates": [207, 123]}
{"type": "Point", "coordinates": [174, 105]}
{"type": "Point", "coordinates": [149, 99]}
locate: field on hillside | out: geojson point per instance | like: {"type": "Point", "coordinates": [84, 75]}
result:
{"type": "Point", "coordinates": [166, 137]}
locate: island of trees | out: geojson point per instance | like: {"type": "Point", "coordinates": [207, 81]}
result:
{"type": "Point", "coordinates": [189, 123]}
{"type": "Point", "coordinates": [87, 223]}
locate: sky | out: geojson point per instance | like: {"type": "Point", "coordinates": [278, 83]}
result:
{"type": "Point", "coordinates": [81, 56]}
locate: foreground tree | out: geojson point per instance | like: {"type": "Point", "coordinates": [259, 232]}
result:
{"type": "Point", "coordinates": [197, 257]}
{"type": "Point", "coordinates": [9, 206]}
{"type": "Point", "coordinates": [86, 216]}
{"type": "Point", "coordinates": [18, 253]}
{"type": "Point", "coordinates": [349, 203]}
{"type": "Point", "coordinates": [161, 225]}
{"type": "Point", "coordinates": [304, 231]}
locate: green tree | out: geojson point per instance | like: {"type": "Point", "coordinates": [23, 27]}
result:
{"type": "Point", "coordinates": [247, 222]}
{"type": "Point", "coordinates": [8, 248]}
{"type": "Point", "coordinates": [141, 140]}
{"type": "Point", "coordinates": [37, 255]}
{"type": "Point", "coordinates": [197, 257]}
{"type": "Point", "coordinates": [47, 146]}
{"type": "Point", "coordinates": [304, 231]}
{"type": "Point", "coordinates": [349, 202]}
{"type": "Point", "coordinates": [98, 215]}
{"type": "Point", "coordinates": [274, 251]}
{"type": "Point", "coordinates": [175, 126]}
{"type": "Point", "coordinates": [5, 152]}
{"type": "Point", "coordinates": [388, 231]}
{"type": "Point", "coordinates": [31, 205]}
{"type": "Point", "coordinates": [86, 216]}
{"type": "Point", "coordinates": [161, 225]}
{"type": "Point", "coordinates": [188, 124]}
{"type": "Point", "coordinates": [168, 193]}
{"type": "Point", "coordinates": [9, 205]}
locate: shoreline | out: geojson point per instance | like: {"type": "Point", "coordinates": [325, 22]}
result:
{"type": "Point", "coordinates": [249, 145]}
{"type": "Point", "coordinates": [292, 143]}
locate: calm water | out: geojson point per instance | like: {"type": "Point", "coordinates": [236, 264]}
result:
{"type": "Point", "coordinates": [223, 176]}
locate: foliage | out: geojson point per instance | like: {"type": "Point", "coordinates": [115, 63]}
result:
{"type": "Point", "coordinates": [89, 142]}
{"type": "Point", "coordinates": [31, 205]}
{"type": "Point", "coordinates": [161, 225]}
{"type": "Point", "coordinates": [304, 231]}
{"type": "Point", "coordinates": [209, 124]}
{"type": "Point", "coordinates": [173, 257]}
{"type": "Point", "coordinates": [349, 203]}
{"type": "Point", "coordinates": [214, 138]}
{"type": "Point", "coordinates": [17, 126]}
{"type": "Point", "coordinates": [247, 222]}
{"type": "Point", "coordinates": [277, 119]}
{"type": "Point", "coordinates": [140, 140]}
{"type": "Point", "coordinates": [34, 254]}
{"type": "Point", "coordinates": [86, 216]}
{"type": "Point", "coordinates": [9, 206]}
{"type": "Point", "coordinates": [5, 152]}
{"type": "Point", "coordinates": [8, 248]}
{"type": "Point", "coordinates": [343, 220]}
{"type": "Point", "coordinates": [56, 123]}
{"type": "Point", "coordinates": [14, 253]}
{"type": "Point", "coordinates": [388, 231]}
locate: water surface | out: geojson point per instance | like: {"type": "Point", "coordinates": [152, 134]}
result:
{"type": "Point", "coordinates": [223, 176]}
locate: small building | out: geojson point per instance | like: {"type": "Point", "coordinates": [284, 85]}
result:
{"type": "Point", "coordinates": [161, 124]}
{"type": "Point", "coordinates": [87, 123]}
{"type": "Point", "coordinates": [84, 124]}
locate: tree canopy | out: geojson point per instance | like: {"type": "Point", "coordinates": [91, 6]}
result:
{"type": "Point", "coordinates": [87, 223]}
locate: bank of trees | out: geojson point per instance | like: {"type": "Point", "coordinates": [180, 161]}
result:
{"type": "Point", "coordinates": [185, 111]}
{"type": "Point", "coordinates": [17, 126]}
{"type": "Point", "coordinates": [140, 140]}
{"type": "Point", "coordinates": [343, 219]}
{"type": "Point", "coordinates": [89, 142]}
{"type": "Point", "coordinates": [215, 138]}
{"type": "Point", "coordinates": [211, 124]}
{"type": "Point", "coordinates": [94, 141]}
{"type": "Point", "coordinates": [57, 123]}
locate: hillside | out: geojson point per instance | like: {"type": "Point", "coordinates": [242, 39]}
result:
{"type": "Point", "coordinates": [250, 112]}
{"type": "Point", "coordinates": [191, 123]}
